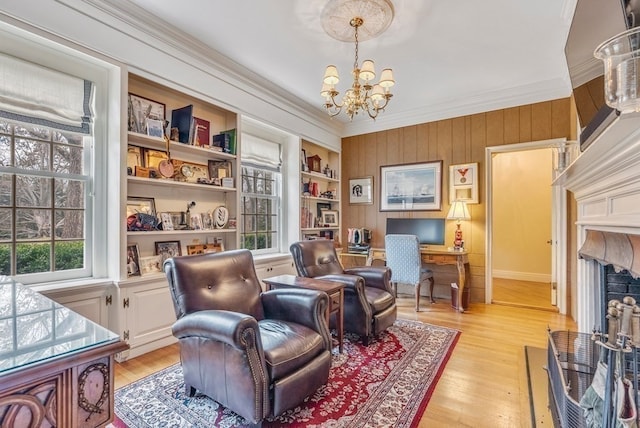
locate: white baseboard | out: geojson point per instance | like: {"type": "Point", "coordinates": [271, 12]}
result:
{"type": "Point", "coordinates": [521, 276]}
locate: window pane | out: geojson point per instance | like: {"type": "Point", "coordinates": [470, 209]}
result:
{"type": "Point", "coordinates": [6, 195]}
{"type": "Point", "coordinates": [248, 205]}
{"type": "Point", "coordinates": [5, 259]}
{"type": "Point", "coordinates": [36, 132]}
{"type": "Point", "coordinates": [33, 191]}
{"type": "Point", "coordinates": [6, 127]}
{"type": "Point", "coordinates": [33, 155]}
{"type": "Point", "coordinates": [249, 223]}
{"type": "Point", "coordinates": [33, 257]}
{"type": "Point", "coordinates": [67, 159]}
{"type": "Point", "coordinates": [69, 224]}
{"type": "Point", "coordinates": [5, 150]}
{"type": "Point", "coordinates": [33, 224]}
{"type": "Point", "coordinates": [69, 194]}
{"type": "Point", "coordinates": [249, 242]}
{"type": "Point", "coordinates": [69, 255]}
{"type": "Point", "coordinates": [67, 138]}
{"type": "Point", "coordinates": [5, 225]}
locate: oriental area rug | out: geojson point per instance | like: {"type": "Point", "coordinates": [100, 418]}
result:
{"type": "Point", "coordinates": [388, 383]}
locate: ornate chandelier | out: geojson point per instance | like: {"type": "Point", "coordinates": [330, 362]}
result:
{"type": "Point", "coordinates": [372, 16]}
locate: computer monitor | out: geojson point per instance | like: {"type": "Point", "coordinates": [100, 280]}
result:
{"type": "Point", "coordinates": [430, 231]}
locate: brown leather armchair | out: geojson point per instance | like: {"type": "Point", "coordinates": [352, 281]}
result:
{"type": "Point", "coordinates": [369, 302]}
{"type": "Point", "coordinates": [256, 353]}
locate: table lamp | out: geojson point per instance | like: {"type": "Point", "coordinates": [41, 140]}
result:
{"type": "Point", "coordinates": [458, 212]}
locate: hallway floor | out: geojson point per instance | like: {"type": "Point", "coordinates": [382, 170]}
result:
{"type": "Point", "coordinates": [528, 294]}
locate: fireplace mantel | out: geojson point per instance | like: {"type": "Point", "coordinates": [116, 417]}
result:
{"type": "Point", "coordinates": [605, 181]}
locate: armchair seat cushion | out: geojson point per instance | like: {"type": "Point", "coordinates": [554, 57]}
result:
{"type": "Point", "coordinates": [288, 346]}
{"type": "Point", "coordinates": [378, 299]}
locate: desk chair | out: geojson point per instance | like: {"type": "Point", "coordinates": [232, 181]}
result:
{"type": "Point", "coordinates": [403, 257]}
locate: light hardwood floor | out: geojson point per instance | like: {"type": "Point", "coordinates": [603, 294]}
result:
{"type": "Point", "coordinates": [484, 383]}
{"type": "Point", "coordinates": [523, 293]}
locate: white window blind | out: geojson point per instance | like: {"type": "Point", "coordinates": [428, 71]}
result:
{"type": "Point", "coordinates": [258, 151]}
{"type": "Point", "coordinates": [38, 95]}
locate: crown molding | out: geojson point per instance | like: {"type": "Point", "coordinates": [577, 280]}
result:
{"type": "Point", "coordinates": [145, 27]}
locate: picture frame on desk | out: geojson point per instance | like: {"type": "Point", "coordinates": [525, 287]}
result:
{"type": "Point", "coordinates": [140, 110]}
{"type": "Point", "coordinates": [463, 183]}
{"type": "Point", "coordinates": [361, 190]}
{"type": "Point", "coordinates": [411, 187]}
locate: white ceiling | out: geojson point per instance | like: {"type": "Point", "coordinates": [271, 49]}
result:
{"type": "Point", "coordinates": [449, 58]}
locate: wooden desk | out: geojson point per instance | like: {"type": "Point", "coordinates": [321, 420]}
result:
{"type": "Point", "coordinates": [335, 290]}
{"type": "Point", "coordinates": [56, 367]}
{"type": "Point", "coordinates": [460, 259]}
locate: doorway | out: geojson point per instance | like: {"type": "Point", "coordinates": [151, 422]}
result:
{"type": "Point", "coordinates": [522, 252]}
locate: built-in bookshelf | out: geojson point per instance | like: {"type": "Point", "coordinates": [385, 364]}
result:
{"type": "Point", "coordinates": [319, 192]}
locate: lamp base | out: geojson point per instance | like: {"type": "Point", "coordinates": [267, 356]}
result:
{"type": "Point", "coordinates": [458, 242]}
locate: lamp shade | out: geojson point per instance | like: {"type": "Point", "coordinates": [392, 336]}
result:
{"type": "Point", "coordinates": [386, 78]}
{"type": "Point", "coordinates": [458, 211]}
{"type": "Point", "coordinates": [367, 72]}
{"type": "Point", "coordinates": [331, 75]}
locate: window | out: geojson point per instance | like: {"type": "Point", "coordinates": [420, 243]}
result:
{"type": "Point", "coordinates": [55, 220]}
{"type": "Point", "coordinates": [261, 195]}
{"type": "Point", "coordinates": [43, 193]}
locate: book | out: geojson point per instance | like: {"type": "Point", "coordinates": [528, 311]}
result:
{"type": "Point", "coordinates": [221, 140]}
{"type": "Point", "coordinates": [201, 132]}
{"type": "Point", "coordinates": [181, 118]}
{"type": "Point", "coordinates": [232, 140]}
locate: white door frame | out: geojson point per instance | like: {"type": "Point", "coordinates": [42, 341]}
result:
{"type": "Point", "coordinates": [558, 224]}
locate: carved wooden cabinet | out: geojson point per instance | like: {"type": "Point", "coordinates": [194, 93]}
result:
{"type": "Point", "coordinates": [56, 366]}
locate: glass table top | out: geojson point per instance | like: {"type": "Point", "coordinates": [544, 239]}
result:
{"type": "Point", "coordinates": [34, 328]}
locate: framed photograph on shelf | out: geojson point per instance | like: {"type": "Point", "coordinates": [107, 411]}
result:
{"type": "Point", "coordinates": [321, 206]}
{"type": "Point", "coordinates": [168, 249]}
{"type": "Point", "coordinates": [133, 260]}
{"type": "Point", "coordinates": [329, 218]}
{"type": "Point", "coordinates": [166, 221]}
{"type": "Point", "coordinates": [195, 221]}
{"type": "Point", "coordinates": [361, 190]}
{"type": "Point", "coordinates": [463, 183]}
{"type": "Point", "coordinates": [150, 264]}
{"type": "Point", "coordinates": [140, 110]}
{"type": "Point", "coordinates": [219, 169]}
{"type": "Point", "coordinates": [411, 187]}
{"type": "Point", "coordinates": [204, 248]}
{"type": "Point", "coordinates": [137, 204]}
{"type": "Point", "coordinates": [134, 159]}
{"type": "Point", "coordinates": [179, 220]}
{"type": "Point", "coordinates": [155, 128]}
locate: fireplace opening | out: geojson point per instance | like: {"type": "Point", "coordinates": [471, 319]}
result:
{"type": "Point", "coordinates": [573, 358]}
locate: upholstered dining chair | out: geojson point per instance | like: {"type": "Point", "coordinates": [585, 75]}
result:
{"type": "Point", "coordinates": [256, 353]}
{"type": "Point", "coordinates": [403, 257]}
{"type": "Point", "coordinates": [369, 303]}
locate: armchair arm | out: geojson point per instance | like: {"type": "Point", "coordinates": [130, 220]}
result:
{"type": "Point", "coordinates": [378, 277]}
{"type": "Point", "coordinates": [222, 326]}
{"type": "Point", "coordinates": [300, 306]}
{"type": "Point", "coordinates": [352, 283]}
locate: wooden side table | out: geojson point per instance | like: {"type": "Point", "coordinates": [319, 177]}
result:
{"type": "Point", "coordinates": [335, 290]}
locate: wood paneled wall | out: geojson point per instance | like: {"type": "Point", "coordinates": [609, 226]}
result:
{"type": "Point", "coordinates": [458, 140]}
